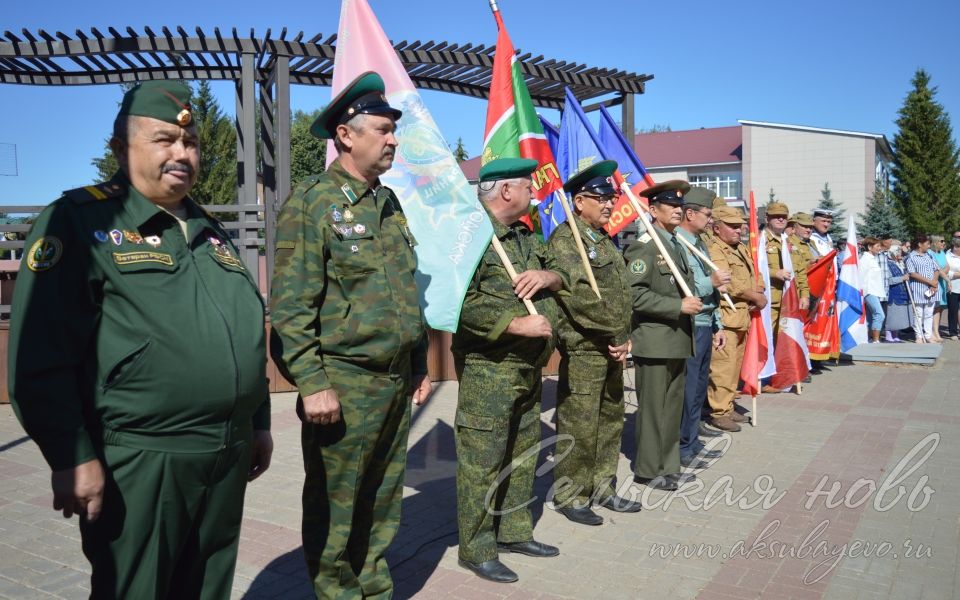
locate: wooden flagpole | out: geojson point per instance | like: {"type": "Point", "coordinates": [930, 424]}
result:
{"type": "Point", "coordinates": [576, 238]}
{"type": "Point", "coordinates": [710, 264]}
{"type": "Point", "coordinates": [498, 247]}
{"type": "Point", "coordinates": [641, 210]}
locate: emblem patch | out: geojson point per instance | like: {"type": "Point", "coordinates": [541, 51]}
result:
{"type": "Point", "coordinates": [129, 258]}
{"type": "Point", "coordinates": [132, 236]}
{"type": "Point", "coordinates": [117, 236]}
{"type": "Point", "coordinates": [348, 215]}
{"type": "Point", "coordinates": [44, 253]}
{"type": "Point", "coordinates": [153, 240]}
{"type": "Point", "coordinates": [360, 228]}
{"type": "Point", "coordinates": [101, 236]}
{"type": "Point", "coordinates": [638, 267]}
{"type": "Point", "coordinates": [222, 253]}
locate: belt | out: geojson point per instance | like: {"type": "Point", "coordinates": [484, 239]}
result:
{"type": "Point", "coordinates": [211, 438]}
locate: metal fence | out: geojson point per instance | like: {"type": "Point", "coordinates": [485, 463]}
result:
{"type": "Point", "coordinates": [247, 231]}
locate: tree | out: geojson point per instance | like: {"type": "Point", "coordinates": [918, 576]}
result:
{"type": "Point", "coordinates": [926, 162]}
{"type": "Point", "coordinates": [772, 197]}
{"type": "Point", "coordinates": [655, 128]}
{"type": "Point", "coordinates": [460, 152]}
{"type": "Point", "coordinates": [838, 230]}
{"type": "Point", "coordinates": [217, 180]}
{"type": "Point", "coordinates": [308, 155]}
{"type": "Point", "coordinates": [880, 218]}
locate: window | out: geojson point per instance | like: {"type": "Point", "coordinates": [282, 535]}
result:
{"type": "Point", "coordinates": [726, 186]}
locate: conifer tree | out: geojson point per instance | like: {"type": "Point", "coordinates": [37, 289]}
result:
{"type": "Point", "coordinates": [879, 218]}
{"type": "Point", "coordinates": [838, 230]}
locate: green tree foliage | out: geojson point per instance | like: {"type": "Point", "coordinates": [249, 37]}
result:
{"type": "Point", "coordinates": [460, 152]}
{"type": "Point", "coordinates": [839, 228]}
{"type": "Point", "coordinates": [308, 155]}
{"type": "Point", "coordinates": [926, 162]}
{"type": "Point", "coordinates": [655, 128]}
{"type": "Point", "coordinates": [880, 218]}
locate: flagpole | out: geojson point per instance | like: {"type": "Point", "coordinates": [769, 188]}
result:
{"type": "Point", "coordinates": [753, 412]}
{"type": "Point", "coordinates": [576, 238]}
{"type": "Point", "coordinates": [710, 264]}
{"type": "Point", "coordinates": [641, 210]}
{"type": "Point", "coordinates": [498, 248]}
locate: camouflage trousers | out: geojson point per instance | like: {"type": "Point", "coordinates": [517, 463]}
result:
{"type": "Point", "coordinates": [354, 486]}
{"type": "Point", "coordinates": [659, 412]}
{"type": "Point", "coordinates": [170, 524]}
{"type": "Point", "coordinates": [498, 441]}
{"type": "Point", "coordinates": [589, 408]}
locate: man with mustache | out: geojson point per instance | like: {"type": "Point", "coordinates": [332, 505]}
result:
{"type": "Point", "coordinates": [594, 340]}
{"type": "Point", "coordinates": [662, 338]}
{"type": "Point", "coordinates": [349, 332]}
{"type": "Point", "coordinates": [138, 363]}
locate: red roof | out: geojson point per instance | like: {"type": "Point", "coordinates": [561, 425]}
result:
{"type": "Point", "coordinates": [471, 168]}
{"type": "Point", "coordinates": [692, 147]}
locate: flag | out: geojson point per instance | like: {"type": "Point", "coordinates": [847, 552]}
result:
{"type": "Point", "coordinates": [851, 316]}
{"type": "Point", "coordinates": [763, 268]}
{"type": "Point", "coordinates": [513, 128]}
{"type": "Point", "coordinates": [791, 354]}
{"type": "Point", "coordinates": [757, 351]}
{"type": "Point", "coordinates": [821, 332]}
{"type": "Point", "coordinates": [616, 147]}
{"type": "Point", "coordinates": [550, 211]}
{"type": "Point", "coordinates": [442, 211]}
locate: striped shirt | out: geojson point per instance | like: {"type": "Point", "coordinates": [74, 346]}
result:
{"type": "Point", "coordinates": [925, 266]}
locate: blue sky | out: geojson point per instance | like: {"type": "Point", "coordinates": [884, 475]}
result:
{"type": "Point", "coordinates": [836, 64]}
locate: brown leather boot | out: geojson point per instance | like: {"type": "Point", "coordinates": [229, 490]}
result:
{"type": "Point", "coordinates": [737, 417]}
{"type": "Point", "coordinates": [725, 423]}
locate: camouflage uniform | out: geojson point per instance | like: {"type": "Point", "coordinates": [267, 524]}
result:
{"type": "Point", "coordinates": [775, 261]}
{"type": "Point", "coordinates": [498, 408]}
{"type": "Point", "coordinates": [804, 250]}
{"type": "Point", "coordinates": [590, 387]}
{"type": "Point", "coordinates": [346, 316]}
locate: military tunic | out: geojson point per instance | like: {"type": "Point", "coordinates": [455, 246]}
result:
{"type": "Point", "coordinates": [590, 386]}
{"type": "Point", "coordinates": [346, 316]}
{"type": "Point", "coordinates": [662, 341]}
{"type": "Point", "coordinates": [775, 262]}
{"type": "Point", "coordinates": [725, 363]}
{"type": "Point", "coordinates": [144, 348]}
{"type": "Point", "coordinates": [498, 408]}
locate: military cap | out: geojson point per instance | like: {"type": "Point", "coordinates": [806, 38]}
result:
{"type": "Point", "coordinates": [167, 101]}
{"type": "Point", "coordinates": [823, 212]}
{"type": "Point", "coordinates": [365, 95]}
{"type": "Point", "coordinates": [507, 168]}
{"type": "Point", "coordinates": [729, 215]}
{"type": "Point", "coordinates": [699, 196]}
{"type": "Point", "coordinates": [801, 218]}
{"type": "Point", "coordinates": [595, 179]}
{"type": "Point", "coordinates": [719, 201]}
{"type": "Point", "coordinates": [778, 209]}
{"type": "Point", "coordinates": [669, 192]}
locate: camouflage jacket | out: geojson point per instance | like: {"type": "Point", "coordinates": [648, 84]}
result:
{"type": "Point", "coordinates": [343, 293]}
{"type": "Point", "coordinates": [588, 323]}
{"type": "Point", "coordinates": [490, 303]}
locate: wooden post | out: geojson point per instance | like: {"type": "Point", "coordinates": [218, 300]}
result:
{"type": "Point", "coordinates": [641, 210]}
{"type": "Point", "coordinates": [753, 411]}
{"type": "Point", "coordinates": [498, 247]}
{"type": "Point", "coordinates": [576, 238]}
{"type": "Point", "coordinates": [710, 264]}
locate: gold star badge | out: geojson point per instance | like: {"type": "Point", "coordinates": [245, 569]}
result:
{"type": "Point", "coordinates": [184, 117]}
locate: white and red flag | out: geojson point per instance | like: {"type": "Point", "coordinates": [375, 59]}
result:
{"type": "Point", "coordinates": [759, 345]}
{"type": "Point", "coordinates": [792, 357]}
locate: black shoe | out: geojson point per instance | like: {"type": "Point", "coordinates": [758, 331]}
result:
{"type": "Point", "coordinates": [583, 516]}
{"type": "Point", "coordinates": [709, 454]}
{"type": "Point", "coordinates": [708, 432]}
{"type": "Point", "coordinates": [692, 462]}
{"type": "Point", "coordinates": [682, 478]}
{"type": "Point", "coordinates": [530, 548]}
{"type": "Point", "coordinates": [618, 504]}
{"type": "Point", "coordinates": [491, 570]}
{"type": "Point", "coordinates": [816, 371]}
{"type": "Point", "coordinates": [662, 482]}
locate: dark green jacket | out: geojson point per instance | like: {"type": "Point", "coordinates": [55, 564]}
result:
{"type": "Point", "coordinates": [490, 303]}
{"type": "Point", "coordinates": [122, 332]}
{"type": "Point", "coordinates": [343, 293]}
{"type": "Point", "coordinates": [588, 323]}
{"type": "Point", "coordinates": [660, 330]}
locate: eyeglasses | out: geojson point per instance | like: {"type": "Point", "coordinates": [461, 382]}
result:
{"type": "Point", "coordinates": [601, 199]}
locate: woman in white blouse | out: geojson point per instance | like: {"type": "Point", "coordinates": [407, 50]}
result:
{"type": "Point", "coordinates": [874, 290]}
{"type": "Point", "coordinates": [953, 292]}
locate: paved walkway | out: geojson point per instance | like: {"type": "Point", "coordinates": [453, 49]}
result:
{"type": "Point", "coordinates": [879, 442]}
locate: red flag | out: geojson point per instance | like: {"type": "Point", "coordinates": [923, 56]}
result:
{"type": "Point", "coordinates": [755, 354]}
{"type": "Point", "coordinates": [822, 332]}
{"type": "Point", "coordinates": [790, 351]}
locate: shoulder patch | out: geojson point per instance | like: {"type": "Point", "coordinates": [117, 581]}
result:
{"type": "Point", "coordinates": [44, 254]}
{"type": "Point", "coordinates": [645, 238]}
{"type": "Point", "coordinates": [95, 193]}
{"type": "Point", "coordinates": [638, 267]}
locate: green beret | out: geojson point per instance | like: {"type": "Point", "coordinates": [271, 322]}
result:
{"type": "Point", "coordinates": [729, 215]}
{"type": "Point", "coordinates": [669, 192]}
{"type": "Point", "coordinates": [167, 101]}
{"type": "Point", "coordinates": [699, 196]}
{"type": "Point", "coordinates": [507, 168]}
{"type": "Point", "coordinates": [801, 218]}
{"type": "Point", "coordinates": [778, 209]}
{"type": "Point", "coordinates": [365, 95]}
{"type": "Point", "coordinates": [594, 179]}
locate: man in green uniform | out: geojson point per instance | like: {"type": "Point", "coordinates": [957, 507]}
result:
{"type": "Point", "coordinates": [731, 255]}
{"type": "Point", "coordinates": [349, 332]}
{"type": "Point", "coordinates": [499, 351]}
{"type": "Point", "coordinates": [137, 363]}
{"type": "Point", "coordinates": [594, 340]}
{"type": "Point", "coordinates": [662, 338]}
{"type": "Point", "coordinates": [800, 241]}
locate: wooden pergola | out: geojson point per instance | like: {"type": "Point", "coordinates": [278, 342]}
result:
{"type": "Point", "coordinates": [272, 64]}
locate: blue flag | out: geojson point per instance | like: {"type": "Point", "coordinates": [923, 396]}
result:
{"type": "Point", "coordinates": [551, 213]}
{"type": "Point", "coordinates": [617, 148]}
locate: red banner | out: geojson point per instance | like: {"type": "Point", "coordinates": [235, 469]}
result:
{"type": "Point", "coordinates": [822, 331]}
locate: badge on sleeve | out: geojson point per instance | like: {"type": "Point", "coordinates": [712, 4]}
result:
{"type": "Point", "coordinates": [117, 236]}
{"type": "Point", "coordinates": [44, 253]}
{"type": "Point", "coordinates": [101, 236]}
{"type": "Point", "coordinates": [360, 228]}
{"type": "Point", "coordinates": [638, 267]}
